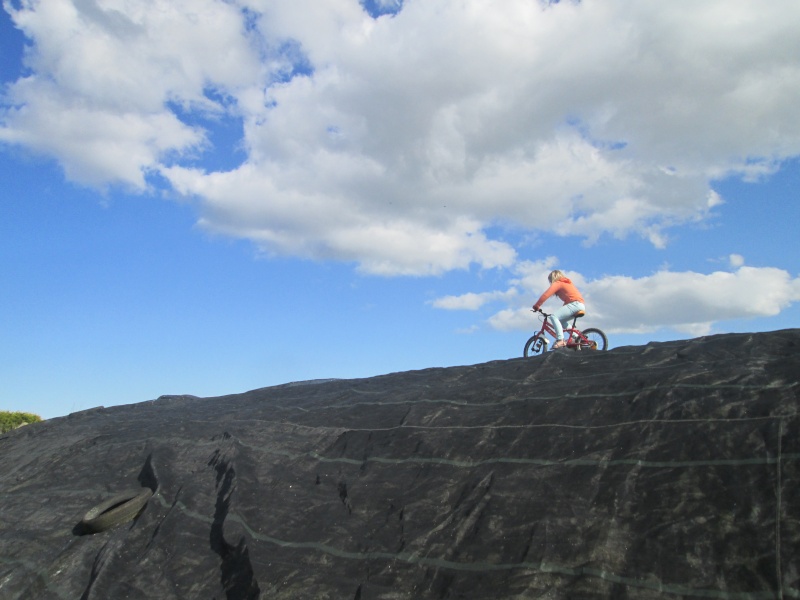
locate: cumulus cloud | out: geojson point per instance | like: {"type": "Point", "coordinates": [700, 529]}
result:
{"type": "Point", "coordinates": [472, 301]}
{"type": "Point", "coordinates": [692, 302]}
{"type": "Point", "coordinates": [106, 80]}
{"type": "Point", "coordinates": [396, 134]}
{"type": "Point", "coordinates": [736, 260]}
{"type": "Point", "coordinates": [688, 302]}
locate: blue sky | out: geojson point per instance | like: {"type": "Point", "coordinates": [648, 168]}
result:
{"type": "Point", "coordinates": [208, 197]}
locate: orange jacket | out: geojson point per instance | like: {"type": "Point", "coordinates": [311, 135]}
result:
{"type": "Point", "coordinates": [564, 289]}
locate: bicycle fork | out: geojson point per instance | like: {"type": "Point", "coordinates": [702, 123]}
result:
{"type": "Point", "coordinates": [545, 341]}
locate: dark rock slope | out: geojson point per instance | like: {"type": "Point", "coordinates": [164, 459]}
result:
{"type": "Point", "coordinates": [666, 470]}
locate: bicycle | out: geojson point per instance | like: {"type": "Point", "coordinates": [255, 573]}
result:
{"type": "Point", "coordinates": [588, 339]}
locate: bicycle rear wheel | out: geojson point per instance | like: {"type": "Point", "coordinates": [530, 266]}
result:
{"type": "Point", "coordinates": [597, 340]}
{"type": "Point", "coordinates": [537, 344]}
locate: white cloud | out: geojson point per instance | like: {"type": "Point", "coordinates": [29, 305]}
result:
{"type": "Point", "coordinates": [302, 221]}
{"type": "Point", "coordinates": [683, 301]}
{"type": "Point", "coordinates": [397, 142]}
{"type": "Point", "coordinates": [106, 74]}
{"type": "Point", "coordinates": [468, 330]}
{"type": "Point", "coordinates": [736, 260]}
{"type": "Point", "coordinates": [690, 301]}
{"type": "Point", "coordinates": [98, 145]}
{"type": "Point", "coordinates": [471, 301]}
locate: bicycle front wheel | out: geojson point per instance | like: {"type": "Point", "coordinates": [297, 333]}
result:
{"type": "Point", "coordinates": [597, 340]}
{"type": "Point", "coordinates": [537, 344]}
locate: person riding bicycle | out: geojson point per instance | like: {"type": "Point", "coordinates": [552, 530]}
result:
{"type": "Point", "coordinates": [566, 291]}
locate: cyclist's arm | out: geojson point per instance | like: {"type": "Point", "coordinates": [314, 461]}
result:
{"type": "Point", "coordinates": [543, 298]}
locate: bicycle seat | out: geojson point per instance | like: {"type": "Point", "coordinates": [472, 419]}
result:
{"type": "Point", "coordinates": [579, 314]}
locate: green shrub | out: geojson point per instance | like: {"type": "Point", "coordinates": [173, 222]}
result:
{"type": "Point", "coordinates": [12, 420]}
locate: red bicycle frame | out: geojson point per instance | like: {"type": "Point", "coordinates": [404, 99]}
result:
{"type": "Point", "coordinates": [572, 335]}
{"type": "Point", "coordinates": [575, 339]}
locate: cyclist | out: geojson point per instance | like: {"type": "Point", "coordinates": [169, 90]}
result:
{"type": "Point", "coordinates": [566, 291]}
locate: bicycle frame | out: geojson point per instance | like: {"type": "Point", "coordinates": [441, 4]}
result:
{"type": "Point", "coordinates": [590, 338]}
{"type": "Point", "coordinates": [572, 335]}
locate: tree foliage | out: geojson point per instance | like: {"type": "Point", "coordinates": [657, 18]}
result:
{"type": "Point", "coordinates": [12, 420]}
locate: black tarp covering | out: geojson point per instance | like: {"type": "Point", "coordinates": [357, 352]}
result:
{"type": "Point", "coordinates": [666, 470]}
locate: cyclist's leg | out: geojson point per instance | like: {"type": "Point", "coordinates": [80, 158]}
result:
{"type": "Point", "coordinates": [558, 326]}
{"type": "Point", "coordinates": [561, 317]}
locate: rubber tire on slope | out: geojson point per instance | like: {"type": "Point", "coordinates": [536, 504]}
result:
{"type": "Point", "coordinates": [535, 345]}
{"type": "Point", "coordinates": [595, 335]}
{"type": "Point", "coordinates": [118, 509]}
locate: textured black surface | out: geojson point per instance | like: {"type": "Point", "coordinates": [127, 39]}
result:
{"type": "Point", "coordinates": [667, 470]}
